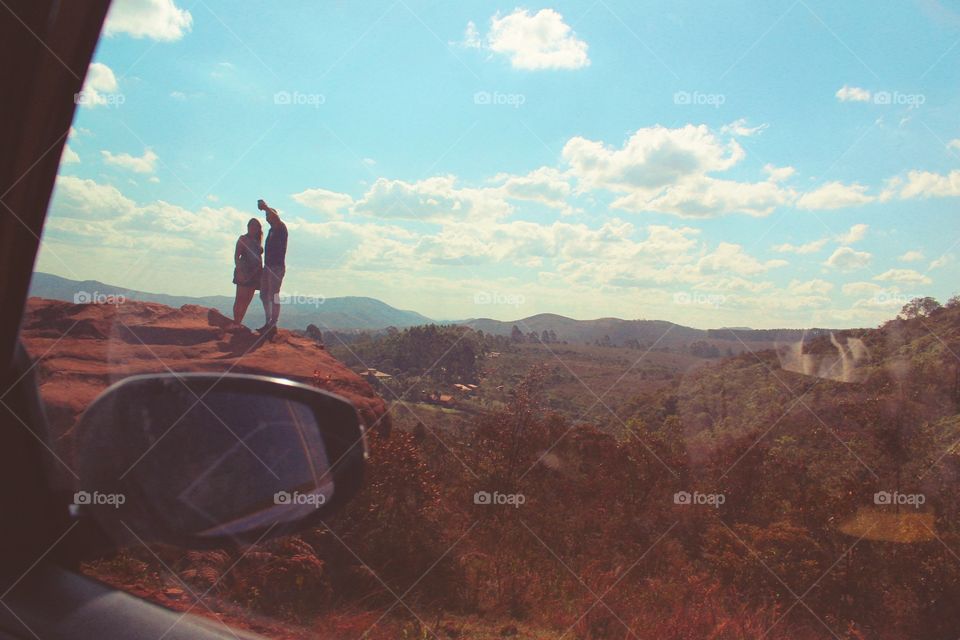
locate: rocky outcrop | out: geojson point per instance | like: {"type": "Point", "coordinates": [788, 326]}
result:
{"type": "Point", "coordinates": [83, 348]}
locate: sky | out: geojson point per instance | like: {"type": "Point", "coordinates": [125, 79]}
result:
{"type": "Point", "coordinates": [767, 164]}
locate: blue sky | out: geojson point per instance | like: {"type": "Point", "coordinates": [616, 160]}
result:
{"type": "Point", "coordinates": [766, 164]}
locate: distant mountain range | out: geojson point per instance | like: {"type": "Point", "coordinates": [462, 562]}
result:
{"type": "Point", "coordinates": [370, 314]}
{"type": "Point", "coordinates": [330, 313]}
{"type": "Point", "coordinates": [648, 332]}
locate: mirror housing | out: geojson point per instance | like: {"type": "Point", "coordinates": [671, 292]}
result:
{"type": "Point", "coordinates": [202, 460]}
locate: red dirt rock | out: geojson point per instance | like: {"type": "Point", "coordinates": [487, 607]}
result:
{"type": "Point", "coordinates": [83, 348]}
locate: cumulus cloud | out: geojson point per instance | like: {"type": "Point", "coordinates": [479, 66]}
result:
{"type": "Point", "coordinates": [667, 170]}
{"type": "Point", "coordinates": [815, 287]}
{"type": "Point", "coordinates": [471, 37]}
{"type": "Point", "coordinates": [940, 262]}
{"type": "Point", "coordinates": [847, 93]}
{"type": "Point", "coordinates": [848, 259]}
{"type": "Point", "coordinates": [801, 249]}
{"type": "Point", "coordinates": [145, 163]}
{"type": "Point", "coordinates": [99, 86]}
{"type": "Point", "coordinates": [778, 174]}
{"type": "Point", "coordinates": [327, 203]}
{"type": "Point", "coordinates": [926, 184]}
{"type": "Point", "coordinates": [911, 256]}
{"type": "Point", "coordinates": [741, 128]}
{"type": "Point", "coordinates": [433, 199]}
{"type": "Point", "coordinates": [534, 41]}
{"type": "Point", "coordinates": [855, 234]}
{"type": "Point", "coordinates": [835, 195]}
{"type": "Point", "coordinates": [731, 258]}
{"type": "Point", "coordinates": [908, 276]}
{"type": "Point", "coordinates": [155, 19]}
{"type": "Point", "coordinates": [69, 156]}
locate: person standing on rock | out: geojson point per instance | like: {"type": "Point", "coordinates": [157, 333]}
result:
{"type": "Point", "coordinates": [274, 268]}
{"type": "Point", "coordinates": [248, 268]}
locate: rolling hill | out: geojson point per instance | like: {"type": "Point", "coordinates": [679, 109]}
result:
{"type": "Point", "coordinates": [332, 313]}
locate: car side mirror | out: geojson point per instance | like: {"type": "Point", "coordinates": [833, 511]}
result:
{"type": "Point", "coordinates": [201, 460]}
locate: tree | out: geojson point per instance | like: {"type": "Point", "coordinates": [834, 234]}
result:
{"type": "Point", "coordinates": [515, 334]}
{"type": "Point", "coordinates": [919, 308]}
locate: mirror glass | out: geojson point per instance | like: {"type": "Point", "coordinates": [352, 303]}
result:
{"type": "Point", "coordinates": [204, 465]}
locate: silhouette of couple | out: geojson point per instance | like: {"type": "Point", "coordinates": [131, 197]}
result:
{"type": "Point", "coordinates": [258, 267]}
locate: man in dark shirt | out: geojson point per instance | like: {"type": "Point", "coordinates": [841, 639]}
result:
{"type": "Point", "coordinates": [274, 267]}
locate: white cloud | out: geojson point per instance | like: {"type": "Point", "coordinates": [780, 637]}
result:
{"type": "Point", "coordinates": [731, 258]}
{"type": "Point", "coordinates": [855, 234]}
{"type": "Point", "coordinates": [801, 249]}
{"type": "Point", "coordinates": [434, 199]}
{"type": "Point", "coordinates": [847, 93]}
{"type": "Point", "coordinates": [533, 42]}
{"type": "Point", "coordinates": [471, 37]}
{"type": "Point", "coordinates": [155, 19]}
{"type": "Point", "coordinates": [847, 259]}
{"type": "Point", "coordinates": [178, 95]}
{"type": "Point", "coordinates": [926, 184]}
{"type": "Point", "coordinates": [706, 197]}
{"type": "Point", "coordinates": [815, 287]}
{"type": "Point", "coordinates": [954, 144]}
{"type": "Point", "coordinates": [138, 164]}
{"type": "Point", "coordinates": [903, 275]}
{"type": "Point", "coordinates": [99, 86]}
{"type": "Point", "coordinates": [544, 185]}
{"type": "Point", "coordinates": [328, 203]}
{"type": "Point", "coordinates": [79, 198]}
{"type": "Point", "coordinates": [740, 128]}
{"type": "Point", "coordinates": [835, 195]}
{"type": "Point", "coordinates": [778, 174]}
{"type": "Point", "coordinates": [941, 262]}
{"type": "Point", "coordinates": [856, 289]}
{"type": "Point", "coordinates": [911, 256]}
{"type": "Point", "coordinates": [69, 156]}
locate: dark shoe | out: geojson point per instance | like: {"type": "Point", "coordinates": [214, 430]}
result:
{"type": "Point", "coordinates": [263, 328]}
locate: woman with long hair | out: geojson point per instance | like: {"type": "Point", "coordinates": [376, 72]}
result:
{"type": "Point", "coordinates": [248, 266]}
